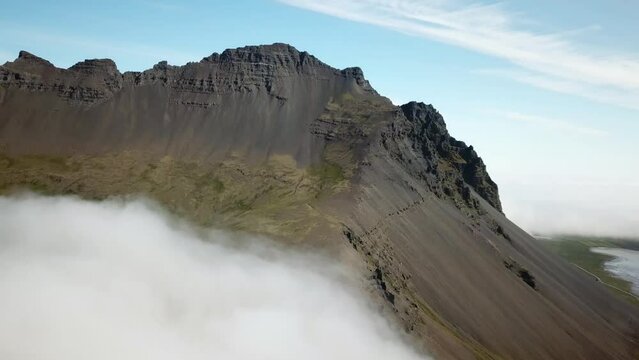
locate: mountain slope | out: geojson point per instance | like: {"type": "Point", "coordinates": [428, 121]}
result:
{"type": "Point", "coordinates": [270, 140]}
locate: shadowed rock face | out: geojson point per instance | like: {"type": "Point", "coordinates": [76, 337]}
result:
{"type": "Point", "coordinates": [271, 140]}
{"type": "Point", "coordinates": [428, 133]}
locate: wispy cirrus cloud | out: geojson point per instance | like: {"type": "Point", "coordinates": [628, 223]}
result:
{"type": "Point", "coordinates": [552, 61]}
{"type": "Point", "coordinates": [627, 99]}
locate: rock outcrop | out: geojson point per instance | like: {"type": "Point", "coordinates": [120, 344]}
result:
{"type": "Point", "coordinates": [428, 132]}
{"type": "Point", "coordinates": [271, 140]}
{"type": "Point", "coordinates": [86, 82]}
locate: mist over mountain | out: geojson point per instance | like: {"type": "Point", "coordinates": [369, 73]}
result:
{"type": "Point", "coordinates": [269, 140]}
{"type": "Point", "coordinates": [122, 280]}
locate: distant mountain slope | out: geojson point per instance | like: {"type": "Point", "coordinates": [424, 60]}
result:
{"type": "Point", "coordinates": [270, 140]}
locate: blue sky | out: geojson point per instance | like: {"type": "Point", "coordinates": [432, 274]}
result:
{"type": "Point", "coordinates": [547, 91]}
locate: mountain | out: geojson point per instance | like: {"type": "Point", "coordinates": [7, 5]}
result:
{"type": "Point", "coordinates": [270, 140]}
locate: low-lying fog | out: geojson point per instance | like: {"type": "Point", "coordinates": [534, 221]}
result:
{"type": "Point", "coordinates": [577, 209]}
{"type": "Point", "coordinates": [122, 280]}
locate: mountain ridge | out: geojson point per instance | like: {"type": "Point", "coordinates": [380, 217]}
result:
{"type": "Point", "coordinates": [271, 140]}
{"type": "Point", "coordinates": [279, 55]}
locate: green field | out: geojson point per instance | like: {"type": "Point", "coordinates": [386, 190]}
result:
{"type": "Point", "coordinates": [576, 250]}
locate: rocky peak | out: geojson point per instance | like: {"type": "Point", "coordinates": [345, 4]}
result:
{"type": "Point", "coordinates": [85, 83]}
{"type": "Point", "coordinates": [27, 63]}
{"type": "Point", "coordinates": [427, 116]}
{"type": "Point", "coordinates": [96, 67]}
{"type": "Point", "coordinates": [162, 65]}
{"type": "Point", "coordinates": [429, 134]}
{"type": "Point", "coordinates": [278, 54]}
{"type": "Point", "coordinates": [27, 57]}
{"type": "Point", "coordinates": [244, 70]}
{"type": "Point", "coordinates": [357, 74]}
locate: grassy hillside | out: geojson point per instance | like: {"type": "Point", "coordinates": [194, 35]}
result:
{"type": "Point", "coordinates": [576, 250]}
{"type": "Point", "coordinates": [275, 197]}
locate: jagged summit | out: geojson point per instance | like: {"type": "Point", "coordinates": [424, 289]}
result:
{"type": "Point", "coordinates": [27, 62]}
{"type": "Point", "coordinates": [276, 54]}
{"type": "Point", "coordinates": [87, 66]}
{"type": "Point", "coordinates": [94, 66]}
{"type": "Point", "coordinates": [242, 69]}
{"type": "Point", "coordinates": [26, 56]}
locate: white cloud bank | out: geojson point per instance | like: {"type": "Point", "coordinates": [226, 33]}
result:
{"type": "Point", "coordinates": [588, 209]}
{"type": "Point", "coordinates": [552, 61]}
{"type": "Point", "coordinates": [114, 280]}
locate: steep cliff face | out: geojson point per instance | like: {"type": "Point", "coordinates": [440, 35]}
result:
{"type": "Point", "coordinates": [248, 69]}
{"type": "Point", "coordinates": [453, 266]}
{"type": "Point", "coordinates": [451, 163]}
{"type": "Point", "coordinates": [253, 100]}
{"type": "Point", "coordinates": [271, 140]}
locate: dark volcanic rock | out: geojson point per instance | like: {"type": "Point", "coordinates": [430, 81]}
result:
{"type": "Point", "coordinates": [25, 58]}
{"type": "Point", "coordinates": [102, 67]}
{"type": "Point", "coordinates": [244, 69]}
{"type": "Point", "coordinates": [251, 68]}
{"type": "Point", "coordinates": [86, 82]}
{"type": "Point", "coordinates": [429, 133]}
